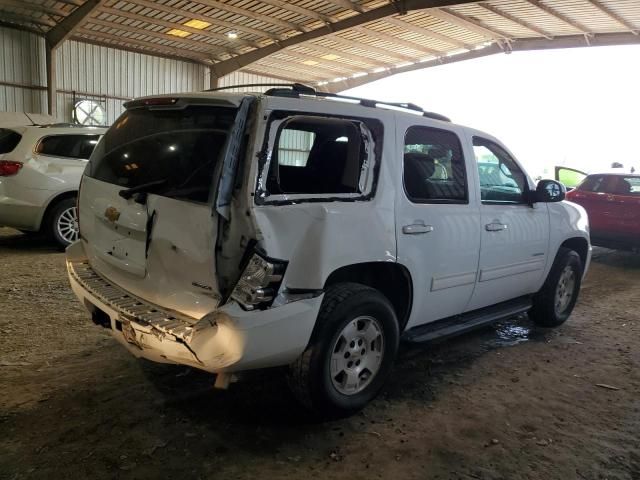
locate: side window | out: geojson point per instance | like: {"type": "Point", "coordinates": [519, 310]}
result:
{"type": "Point", "coordinates": [629, 186]}
{"type": "Point", "coordinates": [434, 170]}
{"type": "Point", "coordinates": [610, 184]}
{"type": "Point", "coordinates": [591, 183]}
{"type": "Point", "coordinates": [318, 155]}
{"type": "Point", "coordinates": [68, 146]}
{"type": "Point", "coordinates": [501, 179]}
{"type": "Point", "coordinates": [8, 140]}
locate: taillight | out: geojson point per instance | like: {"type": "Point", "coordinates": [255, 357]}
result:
{"type": "Point", "coordinates": [8, 168]}
{"type": "Point", "coordinates": [259, 282]}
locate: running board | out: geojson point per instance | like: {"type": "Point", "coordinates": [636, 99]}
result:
{"type": "Point", "coordinates": [466, 322]}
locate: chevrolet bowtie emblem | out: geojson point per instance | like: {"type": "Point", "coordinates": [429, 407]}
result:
{"type": "Point", "coordinates": [112, 214]}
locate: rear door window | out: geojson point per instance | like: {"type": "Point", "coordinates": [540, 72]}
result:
{"type": "Point", "coordinates": [67, 146]}
{"type": "Point", "coordinates": [176, 148]}
{"type": "Point", "coordinates": [8, 140]}
{"type": "Point", "coordinates": [320, 156]}
{"type": "Point", "coordinates": [434, 170]}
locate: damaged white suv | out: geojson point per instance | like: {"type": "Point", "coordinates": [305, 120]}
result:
{"type": "Point", "coordinates": [235, 231]}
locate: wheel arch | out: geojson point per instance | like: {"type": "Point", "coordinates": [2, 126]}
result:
{"type": "Point", "coordinates": [580, 245]}
{"type": "Point", "coordinates": [393, 280]}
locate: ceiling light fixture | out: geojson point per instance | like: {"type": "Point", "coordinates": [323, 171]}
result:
{"type": "Point", "coordinates": [330, 56]}
{"type": "Point", "coordinates": [199, 24]}
{"type": "Point", "coordinates": [232, 35]}
{"type": "Point", "coordinates": [178, 33]}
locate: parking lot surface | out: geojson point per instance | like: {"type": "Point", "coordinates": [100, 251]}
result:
{"type": "Point", "coordinates": [507, 402]}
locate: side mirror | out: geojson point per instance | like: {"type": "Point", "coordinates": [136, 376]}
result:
{"type": "Point", "coordinates": [549, 191]}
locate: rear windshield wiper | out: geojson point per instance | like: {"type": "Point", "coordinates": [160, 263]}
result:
{"type": "Point", "coordinates": [127, 193]}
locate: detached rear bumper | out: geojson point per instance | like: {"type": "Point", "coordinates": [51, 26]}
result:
{"type": "Point", "coordinates": [227, 340]}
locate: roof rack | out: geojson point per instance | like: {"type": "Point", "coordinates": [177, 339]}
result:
{"type": "Point", "coordinates": [294, 90]}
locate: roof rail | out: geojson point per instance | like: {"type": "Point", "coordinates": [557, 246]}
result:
{"type": "Point", "coordinates": [297, 89]}
{"type": "Point", "coordinates": [293, 87]}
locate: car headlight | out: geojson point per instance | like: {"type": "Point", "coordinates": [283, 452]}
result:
{"type": "Point", "coordinates": [259, 283]}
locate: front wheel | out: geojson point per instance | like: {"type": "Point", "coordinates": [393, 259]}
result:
{"type": "Point", "coordinates": [350, 354]}
{"type": "Point", "coordinates": [553, 304]}
{"type": "Point", "coordinates": [62, 222]}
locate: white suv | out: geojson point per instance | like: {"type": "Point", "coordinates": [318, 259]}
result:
{"type": "Point", "coordinates": [40, 170]}
{"type": "Point", "coordinates": [239, 231]}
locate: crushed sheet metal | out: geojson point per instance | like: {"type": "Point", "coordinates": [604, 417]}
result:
{"type": "Point", "coordinates": [133, 308]}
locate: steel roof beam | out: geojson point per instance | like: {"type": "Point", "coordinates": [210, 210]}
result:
{"type": "Point", "coordinates": [172, 25]}
{"type": "Point", "coordinates": [348, 5]}
{"type": "Point", "coordinates": [129, 48]}
{"type": "Point", "coordinates": [328, 65]}
{"type": "Point", "coordinates": [70, 23]}
{"type": "Point", "coordinates": [568, 41]}
{"type": "Point", "coordinates": [252, 15]}
{"type": "Point", "coordinates": [322, 50]}
{"type": "Point", "coordinates": [174, 51]}
{"type": "Point", "coordinates": [455, 18]}
{"type": "Point", "coordinates": [376, 35]}
{"type": "Point", "coordinates": [299, 10]}
{"type": "Point", "coordinates": [159, 7]}
{"type": "Point", "coordinates": [160, 35]}
{"type": "Point", "coordinates": [517, 21]}
{"type": "Point", "coordinates": [425, 32]}
{"type": "Point", "coordinates": [228, 66]}
{"type": "Point", "coordinates": [559, 16]}
{"type": "Point", "coordinates": [35, 7]}
{"type": "Point", "coordinates": [16, 17]}
{"type": "Point", "coordinates": [386, 51]}
{"type": "Point", "coordinates": [618, 18]}
{"type": "Point", "coordinates": [372, 77]}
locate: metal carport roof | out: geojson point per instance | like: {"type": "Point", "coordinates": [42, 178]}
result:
{"type": "Point", "coordinates": [334, 44]}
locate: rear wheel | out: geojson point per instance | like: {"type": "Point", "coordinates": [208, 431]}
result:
{"type": "Point", "coordinates": [554, 303]}
{"type": "Point", "coordinates": [350, 354]}
{"type": "Point", "coordinates": [62, 222]}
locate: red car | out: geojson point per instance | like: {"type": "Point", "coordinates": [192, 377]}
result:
{"type": "Point", "coordinates": [612, 201]}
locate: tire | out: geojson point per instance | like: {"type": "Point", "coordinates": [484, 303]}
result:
{"type": "Point", "coordinates": [553, 304]}
{"type": "Point", "coordinates": [59, 225]}
{"type": "Point", "coordinates": [353, 319]}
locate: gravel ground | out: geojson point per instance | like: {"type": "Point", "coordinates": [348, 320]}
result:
{"type": "Point", "coordinates": [508, 402]}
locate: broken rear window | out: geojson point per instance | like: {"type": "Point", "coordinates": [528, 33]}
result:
{"type": "Point", "coordinates": [318, 155]}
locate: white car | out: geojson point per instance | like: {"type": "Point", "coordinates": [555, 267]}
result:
{"type": "Point", "coordinates": [40, 171]}
{"type": "Point", "coordinates": [230, 232]}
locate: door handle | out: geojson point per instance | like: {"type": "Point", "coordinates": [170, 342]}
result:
{"type": "Point", "coordinates": [416, 229]}
{"type": "Point", "coordinates": [495, 227]}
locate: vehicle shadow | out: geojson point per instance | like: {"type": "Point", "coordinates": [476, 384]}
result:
{"type": "Point", "coordinates": [105, 411]}
{"type": "Point", "coordinates": [261, 398]}
{"type": "Point", "coordinates": [15, 240]}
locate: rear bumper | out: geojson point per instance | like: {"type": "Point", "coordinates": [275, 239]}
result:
{"type": "Point", "coordinates": [227, 340]}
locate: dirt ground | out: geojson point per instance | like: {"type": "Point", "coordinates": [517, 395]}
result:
{"type": "Point", "coordinates": [507, 402]}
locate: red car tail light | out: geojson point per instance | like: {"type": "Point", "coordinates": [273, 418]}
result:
{"type": "Point", "coordinates": [8, 168]}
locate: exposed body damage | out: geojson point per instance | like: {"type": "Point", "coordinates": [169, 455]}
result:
{"type": "Point", "coordinates": [228, 340]}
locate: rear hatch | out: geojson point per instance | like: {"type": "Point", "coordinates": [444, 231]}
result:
{"type": "Point", "coordinates": [146, 212]}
